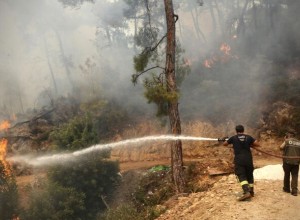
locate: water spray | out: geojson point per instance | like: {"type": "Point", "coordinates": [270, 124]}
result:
{"type": "Point", "coordinates": [57, 158]}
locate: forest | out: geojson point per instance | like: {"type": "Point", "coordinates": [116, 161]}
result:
{"type": "Point", "coordinates": [78, 73]}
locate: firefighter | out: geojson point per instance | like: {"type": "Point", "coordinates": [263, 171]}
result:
{"type": "Point", "coordinates": [243, 162]}
{"type": "Point", "coordinates": [290, 148]}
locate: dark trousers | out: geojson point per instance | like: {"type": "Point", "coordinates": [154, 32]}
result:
{"type": "Point", "coordinates": [290, 169]}
{"type": "Point", "coordinates": [244, 172]}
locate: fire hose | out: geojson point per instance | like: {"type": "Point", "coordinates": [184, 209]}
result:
{"type": "Point", "coordinates": [274, 155]}
{"type": "Point", "coordinates": [264, 152]}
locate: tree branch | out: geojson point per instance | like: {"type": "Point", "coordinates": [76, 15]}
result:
{"type": "Point", "coordinates": [137, 75]}
{"type": "Point", "coordinates": [34, 118]}
{"type": "Point", "coordinates": [150, 49]}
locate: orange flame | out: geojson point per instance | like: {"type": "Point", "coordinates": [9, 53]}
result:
{"type": "Point", "coordinates": [208, 63]}
{"type": "Point", "coordinates": [3, 147]}
{"type": "Point", "coordinates": [223, 56]}
{"type": "Point", "coordinates": [225, 48]}
{"type": "Point", "coordinates": [4, 125]}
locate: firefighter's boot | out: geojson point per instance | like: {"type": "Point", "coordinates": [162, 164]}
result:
{"type": "Point", "coordinates": [246, 195]}
{"type": "Point", "coordinates": [251, 190]}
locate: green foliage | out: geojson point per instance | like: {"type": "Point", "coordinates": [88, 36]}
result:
{"type": "Point", "coordinates": [56, 203]}
{"type": "Point", "coordinates": [8, 194]}
{"type": "Point", "coordinates": [156, 88]}
{"type": "Point", "coordinates": [112, 119]}
{"type": "Point", "coordinates": [140, 62]}
{"type": "Point", "coordinates": [78, 133]}
{"type": "Point", "coordinates": [157, 93]}
{"type": "Point", "coordinates": [124, 212]}
{"type": "Point", "coordinates": [93, 175]}
{"type": "Point", "coordinates": [146, 37]}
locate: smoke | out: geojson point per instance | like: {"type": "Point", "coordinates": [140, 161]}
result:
{"type": "Point", "coordinates": [85, 47]}
{"type": "Point", "coordinates": [261, 37]}
{"type": "Point", "coordinates": [29, 27]}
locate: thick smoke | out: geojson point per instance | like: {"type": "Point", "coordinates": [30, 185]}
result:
{"type": "Point", "coordinates": [84, 48]}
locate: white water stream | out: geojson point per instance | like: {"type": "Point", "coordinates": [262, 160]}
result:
{"type": "Point", "coordinates": [63, 157]}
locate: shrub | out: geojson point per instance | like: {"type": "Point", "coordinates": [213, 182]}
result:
{"type": "Point", "coordinates": [56, 203]}
{"type": "Point", "coordinates": [93, 176]}
{"type": "Point", "coordinates": [78, 133]}
{"type": "Point", "coordinates": [124, 212]}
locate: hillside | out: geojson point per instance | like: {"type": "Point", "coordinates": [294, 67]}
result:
{"type": "Point", "coordinates": [217, 196]}
{"type": "Point", "coordinates": [220, 203]}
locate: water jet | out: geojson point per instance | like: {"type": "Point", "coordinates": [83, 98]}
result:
{"type": "Point", "coordinates": [64, 157]}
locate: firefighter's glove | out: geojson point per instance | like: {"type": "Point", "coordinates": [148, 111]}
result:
{"type": "Point", "coordinates": [222, 139]}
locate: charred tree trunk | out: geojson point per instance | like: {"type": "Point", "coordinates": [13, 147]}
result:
{"type": "Point", "coordinates": [176, 146]}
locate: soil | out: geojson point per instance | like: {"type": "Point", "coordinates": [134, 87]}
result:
{"type": "Point", "coordinates": [220, 202]}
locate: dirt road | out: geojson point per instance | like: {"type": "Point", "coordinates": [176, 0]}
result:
{"type": "Point", "coordinates": [220, 202]}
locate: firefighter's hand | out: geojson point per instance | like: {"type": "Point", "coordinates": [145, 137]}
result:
{"type": "Point", "coordinates": [222, 139]}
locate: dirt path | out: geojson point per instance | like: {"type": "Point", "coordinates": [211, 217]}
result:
{"type": "Point", "coordinates": [220, 202]}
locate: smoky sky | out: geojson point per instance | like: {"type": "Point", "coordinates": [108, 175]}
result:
{"type": "Point", "coordinates": [42, 37]}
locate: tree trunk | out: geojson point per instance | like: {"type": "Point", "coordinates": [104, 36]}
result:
{"type": "Point", "coordinates": [50, 67]}
{"type": "Point", "coordinates": [176, 146]}
{"type": "Point", "coordinates": [64, 60]}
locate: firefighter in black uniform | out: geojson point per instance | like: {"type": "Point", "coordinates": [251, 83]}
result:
{"type": "Point", "coordinates": [243, 162]}
{"type": "Point", "coordinates": [291, 148]}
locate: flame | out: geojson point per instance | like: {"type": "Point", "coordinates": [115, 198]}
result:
{"type": "Point", "coordinates": [208, 63]}
{"type": "Point", "coordinates": [223, 56]}
{"type": "Point", "coordinates": [225, 48]}
{"type": "Point", "coordinates": [4, 125]}
{"type": "Point", "coordinates": [3, 147]}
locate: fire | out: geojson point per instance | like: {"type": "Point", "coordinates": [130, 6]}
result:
{"type": "Point", "coordinates": [3, 147]}
{"type": "Point", "coordinates": [4, 125]}
{"type": "Point", "coordinates": [225, 48]}
{"type": "Point", "coordinates": [208, 63]}
{"type": "Point", "coordinates": [222, 56]}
